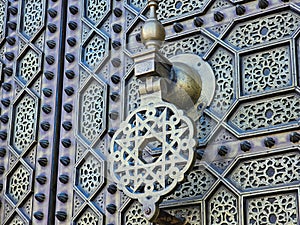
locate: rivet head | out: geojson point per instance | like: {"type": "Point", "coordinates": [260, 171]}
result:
{"type": "Point", "coordinates": [73, 9]}
{"type": "Point", "coordinates": [52, 12]}
{"type": "Point", "coordinates": [70, 74]}
{"type": "Point", "coordinates": [116, 62]}
{"type": "Point", "coordinates": [114, 96]}
{"type": "Point", "coordinates": [245, 146]}
{"type": "Point", "coordinates": [63, 197]}
{"type": "Point", "coordinates": [198, 22]}
{"type": "Point", "coordinates": [111, 132]}
{"type": "Point", "coordinates": [5, 102]}
{"type": "Point", "coordinates": [52, 27]}
{"type": "Point", "coordinates": [2, 169]}
{"type": "Point", "coordinates": [69, 91]}
{"type": "Point", "coordinates": [13, 10]}
{"type": "Point", "coordinates": [178, 27]}
{"type": "Point", "coordinates": [263, 4]}
{"type": "Point", "coordinates": [117, 28]}
{"type": "Point", "coordinates": [6, 86]}
{"type": "Point", "coordinates": [66, 142]}
{"type": "Point", "coordinates": [40, 197]}
{"type": "Point", "coordinates": [71, 41]}
{"type": "Point", "coordinates": [240, 10]}
{"type": "Point", "coordinates": [49, 75]}
{"type": "Point", "coordinates": [2, 152]}
{"type": "Point", "coordinates": [199, 154]}
{"type": "Point", "coordinates": [112, 188]}
{"type": "Point", "coordinates": [61, 215]}
{"type": "Point", "coordinates": [70, 58]}
{"type": "Point", "coordinates": [11, 40]}
{"type": "Point", "coordinates": [4, 118]}
{"type": "Point", "coordinates": [41, 179]}
{"type": "Point", "coordinates": [51, 44]}
{"type": "Point", "coordinates": [115, 79]}
{"type": "Point", "coordinates": [9, 56]}
{"type": "Point", "coordinates": [67, 125]}
{"type": "Point", "coordinates": [64, 178]}
{"type": "Point", "coordinates": [72, 25]}
{"type": "Point", "coordinates": [111, 208]}
{"type": "Point", "coordinates": [12, 25]}
{"type": "Point", "coordinates": [38, 215]}
{"type": "Point", "coordinates": [295, 137]}
{"type": "Point", "coordinates": [43, 161]}
{"type": "Point", "coordinates": [65, 160]}
{"type": "Point", "coordinates": [3, 135]}
{"type": "Point", "coordinates": [116, 45]}
{"type": "Point", "coordinates": [68, 107]}
{"type": "Point", "coordinates": [46, 108]}
{"type": "Point", "coordinates": [218, 16]}
{"type": "Point", "coordinates": [47, 92]}
{"type": "Point", "coordinates": [222, 150]}
{"type": "Point", "coordinates": [118, 12]}
{"type": "Point", "coordinates": [269, 142]}
{"type": "Point", "coordinates": [44, 143]}
{"type": "Point", "coordinates": [113, 115]}
{"type": "Point", "coordinates": [45, 125]}
{"type": "Point", "coordinates": [50, 59]}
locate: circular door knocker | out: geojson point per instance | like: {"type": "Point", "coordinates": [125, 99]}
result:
{"type": "Point", "coordinates": [151, 152]}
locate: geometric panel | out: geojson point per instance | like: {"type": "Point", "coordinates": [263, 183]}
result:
{"type": "Point", "coordinates": [266, 71]}
{"type": "Point", "coordinates": [95, 10]}
{"type": "Point", "coordinates": [196, 44]}
{"type": "Point", "coordinates": [264, 29]}
{"type": "Point", "coordinates": [2, 18]}
{"type": "Point", "coordinates": [28, 66]}
{"type": "Point", "coordinates": [197, 183]}
{"type": "Point", "coordinates": [17, 221]}
{"type": "Point", "coordinates": [134, 215]}
{"type": "Point", "coordinates": [133, 95]}
{"type": "Point", "coordinates": [94, 51]}
{"type": "Point", "coordinates": [19, 183]}
{"type": "Point", "coordinates": [190, 213]}
{"type": "Point", "coordinates": [92, 110]}
{"type": "Point", "coordinates": [89, 218]}
{"type": "Point", "coordinates": [267, 171]}
{"type": "Point", "coordinates": [24, 126]}
{"type": "Point", "coordinates": [170, 9]}
{"type": "Point", "coordinates": [276, 209]}
{"type": "Point", "coordinates": [265, 114]}
{"type": "Point", "coordinates": [222, 63]}
{"type": "Point", "coordinates": [32, 17]}
{"type": "Point", "coordinates": [223, 208]}
{"type": "Point", "coordinates": [90, 174]}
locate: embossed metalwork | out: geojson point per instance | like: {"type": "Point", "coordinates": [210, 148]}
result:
{"type": "Point", "coordinates": [166, 136]}
{"type": "Point", "coordinates": [273, 209]}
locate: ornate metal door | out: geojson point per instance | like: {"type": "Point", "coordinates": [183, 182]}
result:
{"type": "Point", "coordinates": [68, 82]}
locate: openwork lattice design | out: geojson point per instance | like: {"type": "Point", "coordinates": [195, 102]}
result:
{"type": "Point", "coordinates": [264, 29]}
{"type": "Point", "coordinates": [24, 125]}
{"type": "Point", "coordinates": [32, 17]}
{"type": "Point", "coordinates": [151, 151]}
{"type": "Point", "coordinates": [197, 183]}
{"type": "Point", "coordinates": [2, 19]}
{"type": "Point", "coordinates": [134, 99]}
{"type": "Point", "coordinates": [222, 63]}
{"type": "Point", "coordinates": [172, 8]}
{"type": "Point", "coordinates": [274, 112]}
{"type": "Point", "coordinates": [267, 171]}
{"type": "Point", "coordinates": [134, 215]}
{"type": "Point", "coordinates": [90, 218]}
{"type": "Point", "coordinates": [91, 110]}
{"type": "Point", "coordinates": [197, 44]}
{"type": "Point", "coordinates": [19, 183]}
{"type": "Point", "coordinates": [277, 209]}
{"type": "Point", "coordinates": [191, 213]}
{"type": "Point", "coordinates": [17, 221]}
{"type": "Point", "coordinates": [223, 208]}
{"type": "Point", "coordinates": [94, 51]}
{"type": "Point", "coordinates": [90, 175]}
{"type": "Point", "coordinates": [29, 66]}
{"type": "Point", "coordinates": [95, 9]}
{"type": "Point", "coordinates": [266, 71]}
{"type": "Point", "coordinates": [204, 127]}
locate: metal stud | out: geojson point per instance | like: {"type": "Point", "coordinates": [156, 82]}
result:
{"type": "Point", "coordinates": [116, 45]}
{"type": "Point", "coordinates": [245, 146]}
{"type": "Point", "coordinates": [118, 12]}
{"type": "Point", "coordinates": [71, 41]}
{"type": "Point", "coordinates": [112, 189]}
{"type": "Point", "coordinates": [46, 108]}
{"type": "Point", "coordinates": [115, 96]}
{"type": "Point", "coordinates": [11, 40]}
{"type": "Point", "coordinates": [198, 22]}
{"type": "Point", "coordinates": [61, 215]}
{"type": "Point", "coordinates": [63, 197]}
{"type": "Point", "coordinates": [64, 178]}
{"type": "Point", "coordinates": [5, 102]}
{"type": "Point", "coordinates": [68, 107]}
{"type": "Point", "coordinates": [52, 27]}
{"type": "Point", "coordinates": [43, 161]}
{"type": "Point", "coordinates": [67, 125]}
{"type": "Point", "coordinates": [263, 4]}
{"type": "Point", "coordinates": [69, 91]}
{"type": "Point", "coordinates": [295, 137]}
{"type": "Point", "coordinates": [45, 125]}
{"type": "Point", "coordinates": [49, 75]}
{"type": "Point", "coordinates": [111, 208]}
{"type": "Point", "coordinates": [6, 86]}
{"type": "Point", "coordinates": [73, 9]}
{"type": "Point", "coordinates": [40, 197]}
{"type": "Point", "coordinates": [52, 12]}
{"type": "Point", "coordinates": [4, 118]}
{"type": "Point", "coordinates": [8, 71]}
{"type": "Point", "coordinates": [111, 132]}
{"type": "Point", "coordinates": [66, 142]}
{"type": "Point", "coordinates": [50, 59]}
{"type": "Point", "coordinates": [13, 10]}
{"type": "Point", "coordinates": [65, 160]}
{"type": "Point", "coordinates": [3, 135]}
{"type": "Point", "coordinates": [113, 115]}
{"type": "Point", "coordinates": [115, 79]}
{"type": "Point", "coordinates": [44, 143]}
{"type": "Point", "coordinates": [116, 62]}
{"type": "Point", "coordinates": [70, 58]}
{"type": "Point", "coordinates": [72, 25]}
{"type": "Point", "coordinates": [240, 10]}
{"type": "Point", "coordinates": [2, 169]}
{"type": "Point", "coordinates": [47, 92]}
{"type": "Point", "coordinates": [117, 28]}
{"type": "Point", "coordinates": [222, 150]}
{"type": "Point", "coordinates": [178, 27]}
{"type": "Point", "coordinates": [38, 215]}
{"type": "Point", "coordinates": [2, 152]}
{"type": "Point", "coordinates": [51, 44]}
{"type": "Point", "coordinates": [41, 179]}
{"type": "Point", "coordinates": [70, 74]}
{"type": "Point", "coordinates": [9, 56]}
{"type": "Point", "coordinates": [218, 16]}
{"type": "Point", "coordinates": [12, 25]}
{"type": "Point", "coordinates": [269, 142]}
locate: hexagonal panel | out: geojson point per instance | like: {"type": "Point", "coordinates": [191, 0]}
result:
{"type": "Point", "coordinates": [32, 17]}
{"type": "Point", "coordinates": [95, 10]}
{"type": "Point", "coordinates": [94, 51]}
{"type": "Point", "coordinates": [92, 108]}
{"type": "Point", "coordinates": [2, 20]}
{"type": "Point", "coordinates": [25, 114]}
{"type": "Point", "coordinates": [89, 217]}
{"type": "Point", "coordinates": [89, 174]}
{"type": "Point", "coordinates": [19, 183]}
{"type": "Point", "coordinates": [28, 66]}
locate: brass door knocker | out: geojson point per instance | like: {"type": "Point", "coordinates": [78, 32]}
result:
{"type": "Point", "coordinates": [154, 147]}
